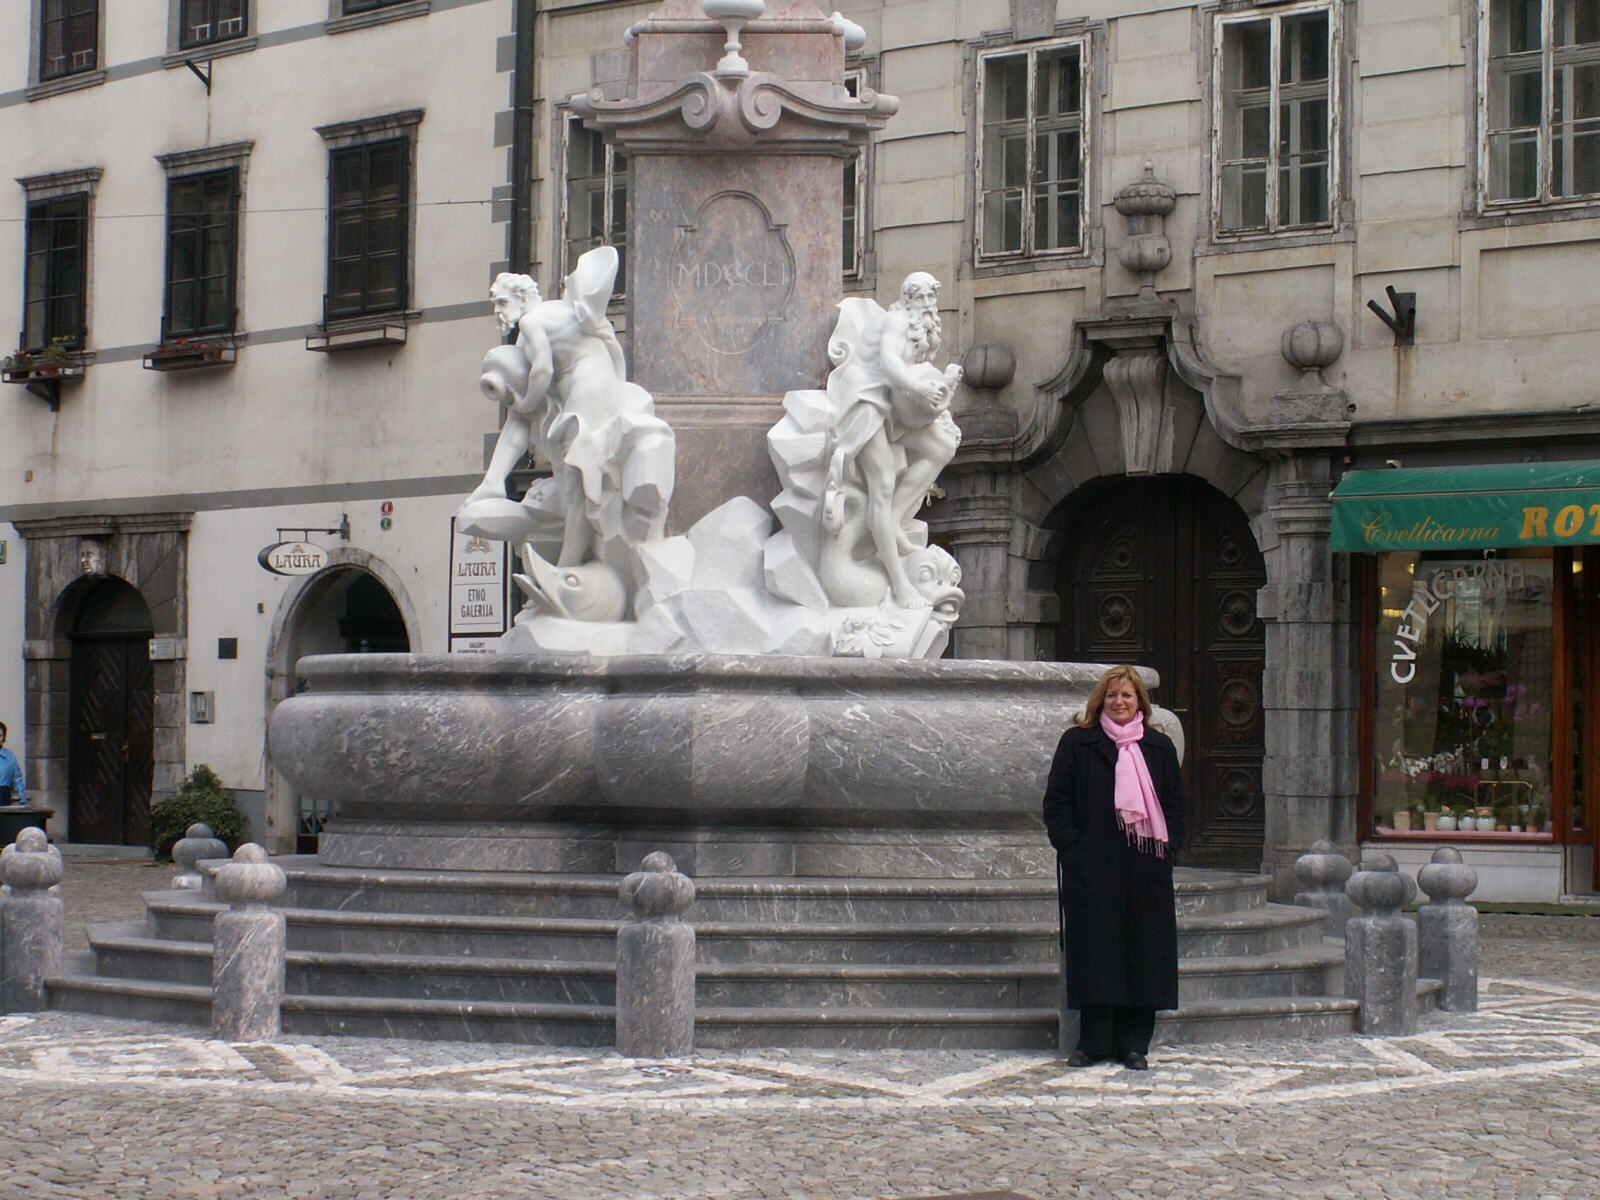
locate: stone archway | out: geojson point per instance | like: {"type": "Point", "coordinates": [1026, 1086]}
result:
{"type": "Point", "coordinates": [356, 604]}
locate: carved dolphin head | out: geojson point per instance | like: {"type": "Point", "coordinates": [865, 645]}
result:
{"type": "Point", "coordinates": [936, 574]}
{"type": "Point", "coordinates": [590, 592]}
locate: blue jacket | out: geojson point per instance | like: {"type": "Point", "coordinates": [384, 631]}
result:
{"type": "Point", "coordinates": [11, 776]}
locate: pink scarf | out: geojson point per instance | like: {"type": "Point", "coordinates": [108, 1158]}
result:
{"type": "Point", "coordinates": [1139, 812]}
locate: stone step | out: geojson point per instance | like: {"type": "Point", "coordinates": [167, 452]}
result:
{"type": "Point", "coordinates": [123, 949]}
{"type": "Point", "coordinates": [186, 916]}
{"type": "Point", "coordinates": [777, 898]}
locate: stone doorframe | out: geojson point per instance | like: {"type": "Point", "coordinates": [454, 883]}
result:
{"type": "Point", "coordinates": [281, 801]}
{"type": "Point", "coordinates": [1136, 397]}
{"type": "Point", "coordinates": [66, 556]}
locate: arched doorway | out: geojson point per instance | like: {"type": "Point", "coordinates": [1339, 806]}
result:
{"type": "Point", "coordinates": [111, 703]}
{"type": "Point", "coordinates": [343, 609]}
{"type": "Point", "coordinates": [1163, 571]}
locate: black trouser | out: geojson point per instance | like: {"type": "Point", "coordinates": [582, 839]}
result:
{"type": "Point", "coordinates": [1105, 1031]}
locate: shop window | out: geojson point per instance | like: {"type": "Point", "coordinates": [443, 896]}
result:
{"type": "Point", "coordinates": [55, 275]}
{"type": "Point", "coordinates": [1542, 127]}
{"type": "Point", "coordinates": [1276, 94]}
{"type": "Point", "coordinates": [202, 261]}
{"type": "Point", "coordinates": [69, 37]}
{"type": "Point", "coordinates": [1465, 707]}
{"type": "Point", "coordinates": [596, 199]}
{"type": "Point", "coordinates": [207, 22]}
{"type": "Point", "coordinates": [1031, 150]}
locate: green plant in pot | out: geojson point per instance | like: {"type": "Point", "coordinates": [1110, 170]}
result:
{"type": "Point", "coordinates": [201, 797]}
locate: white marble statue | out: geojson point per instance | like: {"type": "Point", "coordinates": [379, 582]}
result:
{"type": "Point", "coordinates": [849, 573]}
{"type": "Point", "coordinates": [563, 379]}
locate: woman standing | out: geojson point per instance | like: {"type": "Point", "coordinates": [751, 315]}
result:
{"type": "Point", "coordinates": [1114, 809]}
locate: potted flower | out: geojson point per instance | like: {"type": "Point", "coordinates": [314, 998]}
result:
{"type": "Point", "coordinates": [1430, 811]}
{"type": "Point", "coordinates": [1483, 819]}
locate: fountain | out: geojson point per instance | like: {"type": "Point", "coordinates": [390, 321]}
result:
{"type": "Point", "coordinates": [729, 650]}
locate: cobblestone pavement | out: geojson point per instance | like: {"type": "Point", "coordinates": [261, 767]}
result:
{"type": "Point", "coordinates": [1500, 1105]}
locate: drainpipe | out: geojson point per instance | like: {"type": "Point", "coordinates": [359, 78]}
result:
{"type": "Point", "coordinates": [521, 247]}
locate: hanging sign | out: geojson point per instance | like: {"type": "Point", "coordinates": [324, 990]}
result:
{"type": "Point", "coordinates": [293, 558]}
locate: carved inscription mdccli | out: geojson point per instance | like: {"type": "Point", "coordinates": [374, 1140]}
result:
{"type": "Point", "coordinates": [732, 273]}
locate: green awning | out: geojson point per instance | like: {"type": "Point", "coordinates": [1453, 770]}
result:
{"type": "Point", "coordinates": [1468, 508]}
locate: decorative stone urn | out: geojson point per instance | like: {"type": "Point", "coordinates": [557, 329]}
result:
{"type": "Point", "coordinates": [1146, 251]}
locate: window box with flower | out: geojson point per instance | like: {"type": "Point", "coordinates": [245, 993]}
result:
{"type": "Point", "coordinates": [188, 354]}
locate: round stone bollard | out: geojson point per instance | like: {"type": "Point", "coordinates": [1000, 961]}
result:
{"type": "Point", "coordinates": [1380, 951]}
{"type": "Point", "coordinates": [1447, 930]}
{"type": "Point", "coordinates": [655, 963]}
{"type": "Point", "coordinates": [199, 842]}
{"type": "Point", "coordinates": [31, 919]}
{"type": "Point", "coordinates": [247, 949]}
{"type": "Point", "coordinates": [1323, 873]}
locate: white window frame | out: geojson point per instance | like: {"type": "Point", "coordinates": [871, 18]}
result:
{"type": "Point", "coordinates": [570, 120]}
{"type": "Point", "coordinates": [1549, 55]}
{"type": "Point", "coordinates": [1087, 149]}
{"type": "Point", "coordinates": [1276, 14]}
{"type": "Point", "coordinates": [857, 78]}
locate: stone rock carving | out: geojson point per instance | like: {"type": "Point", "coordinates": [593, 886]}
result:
{"type": "Point", "coordinates": [847, 570]}
{"type": "Point", "coordinates": [564, 381]}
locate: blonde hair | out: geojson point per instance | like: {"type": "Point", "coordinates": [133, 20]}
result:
{"type": "Point", "coordinates": [1089, 718]}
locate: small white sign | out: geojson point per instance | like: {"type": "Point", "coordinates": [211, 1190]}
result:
{"type": "Point", "coordinates": [293, 558]}
{"type": "Point", "coordinates": [479, 579]}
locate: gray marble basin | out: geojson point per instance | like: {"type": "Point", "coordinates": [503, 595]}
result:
{"type": "Point", "coordinates": [396, 743]}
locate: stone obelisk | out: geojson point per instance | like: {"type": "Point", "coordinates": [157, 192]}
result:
{"type": "Point", "coordinates": [735, 156]}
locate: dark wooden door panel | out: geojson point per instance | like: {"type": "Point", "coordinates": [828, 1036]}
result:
{"type": "Point", "coordinates": [1164, 571]}
{"type": "Point", "coordinates": [111, 749]}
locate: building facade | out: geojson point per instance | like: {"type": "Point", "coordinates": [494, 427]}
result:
{"type": "Point", "coordinates": [1205, 263]}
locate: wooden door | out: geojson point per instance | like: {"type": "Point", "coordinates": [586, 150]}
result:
{"type": "Point", "coordinates": [1163, 572]}
{"type": "Point", "coordinates": [112, 747]}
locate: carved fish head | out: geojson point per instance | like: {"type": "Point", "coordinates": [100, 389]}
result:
{"type": "Point", "coordinates": [590, 592]}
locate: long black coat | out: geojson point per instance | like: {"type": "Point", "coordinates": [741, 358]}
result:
{"type": "Point", "coordinates": [1119, 927]}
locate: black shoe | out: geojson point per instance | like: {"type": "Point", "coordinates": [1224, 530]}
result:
{"type": "Point", "coordinates": [1136, 1062]}
{"type": "Point", "coordinates": [1080, 1059]}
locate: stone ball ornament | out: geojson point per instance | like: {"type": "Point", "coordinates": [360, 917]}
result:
{"type": "Point", "coordinates": [988, 368]}
{"type": "Point", "coordinates": [1447, 879]}
{"type": "Point", "coordinates": [658, 888]}
{"type": "Point", "coordinates": [31, 863]}
{"type": "Point", "coordinates": [1380, 888]}
{"type": "Point", "coordinates": [250, 878]}
{"type": "Point", "coordinates": [854, 36]}
{"type": "Point", "coordinates": [1323, 869]}
{"type": "Point", "coordinates": [1312, 345]}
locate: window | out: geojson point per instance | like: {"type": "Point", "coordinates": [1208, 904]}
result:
{"type": "Point", "coordinates": [1031, 150]}
{"type": "Point", "coordinates": [368, 220]}
{"type": "Point", "coordinates": [1275, 100]}
{"type": "Point", "coordinates": [1542, 135]}
{"type": "Point", "coordinates": [202, 254]}
{"type": "Point", "coordinates": [204, 22]}
{"type": "Point", "coordinates": [361, 6]}
{"type": "Point", "coordinates": [69, 37]}
{"type": "Point", "coordinates": [855, 192]}
{"type": "Point", "coordinates": [596, 200]}
{"type": "Point", "coordinates": [1465, 704]}
{"type": "Point", "coordinates": [56, 272]}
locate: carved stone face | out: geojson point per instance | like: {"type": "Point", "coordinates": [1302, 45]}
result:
{"type": "Point", "coordinates": [512, 296]}
{"type": "Point", "coordinates": [937, 575]}
{"type": "Point", "coordinates": [920, 292]}
{"type": "Point", "coordinates": [91, 557]}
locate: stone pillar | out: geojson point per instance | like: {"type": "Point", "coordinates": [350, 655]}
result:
{"type": "Point", "coordinates": [1380, 951]}
{"type": "Point", "coordinates": [31, 919]}
{"type": "Point", "coordinates": [1324, 873]}
{"type": "Point", "coordinates": [1309, 690]}
{"type": "Point", "coordinates": [197, 843]}
{"type": "Point", "coordinates": [248, 949]}
{"type": "Point", "coordinates": [655, 963]}
{"type": "Point", "coordinates": [1447, 930]}
{"type": "Point", "coordinates": [735, 185]}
